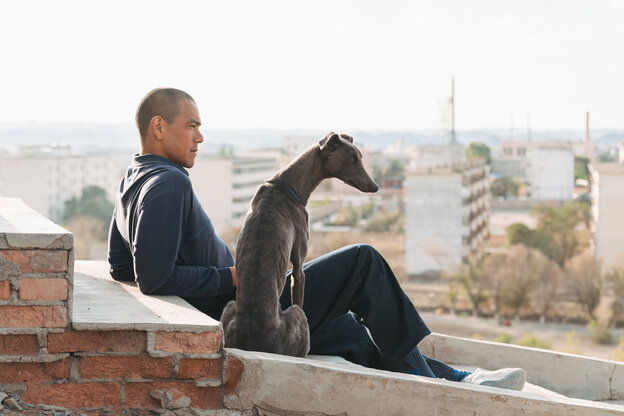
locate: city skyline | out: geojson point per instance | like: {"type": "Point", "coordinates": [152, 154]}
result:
{"type": "Point", "coordinates": [346, 65]}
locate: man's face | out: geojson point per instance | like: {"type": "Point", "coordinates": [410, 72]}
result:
{"type": "Point", "coordinates": [181, 137]}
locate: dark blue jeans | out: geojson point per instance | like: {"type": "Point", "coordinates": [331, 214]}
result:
{"type": "Point", "coordinates": [351, 293]}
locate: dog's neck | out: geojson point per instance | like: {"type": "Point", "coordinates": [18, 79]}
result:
{"type": "Point", "coordinates": [303, 174]}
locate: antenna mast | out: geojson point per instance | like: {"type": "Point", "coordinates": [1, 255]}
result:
{"type": "Point", "coordinates": [452, 102]}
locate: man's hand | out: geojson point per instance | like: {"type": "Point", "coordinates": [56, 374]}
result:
{"type": "Point", "coordinates": [234, 279]}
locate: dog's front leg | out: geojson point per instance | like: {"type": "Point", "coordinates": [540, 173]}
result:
{"type": "Point", "coordinates": [297, 285]}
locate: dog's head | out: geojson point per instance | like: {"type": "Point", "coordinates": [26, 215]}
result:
{"type": "Point", "coordinates": [343, 160]}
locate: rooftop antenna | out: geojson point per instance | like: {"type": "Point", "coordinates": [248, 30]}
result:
{"type": "Point", "coordinates": [511, 137]}
{"type": "Point", "coordinates": [452, 102]}
{"type": "Point", "coordinates": [589, 146]}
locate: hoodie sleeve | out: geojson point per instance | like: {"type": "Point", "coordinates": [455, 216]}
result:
{"type": "Point", "coordinates": [161, 222]}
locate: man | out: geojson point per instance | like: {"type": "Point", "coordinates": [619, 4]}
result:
{"type": "Point", "coordinates": [161, 237]}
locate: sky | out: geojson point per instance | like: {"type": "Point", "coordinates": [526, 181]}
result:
{"type": "Point", "coordinates": [322, 64]}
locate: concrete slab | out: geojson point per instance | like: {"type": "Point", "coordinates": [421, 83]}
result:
{"type": "Point", "coordinates": [568, 374]}
{"type": "Point", "coordinates": [274, 384]}
{"type": "Point", "coordinates": [23, 227]}
{"type": "Point", "coordinates": [101, 303]}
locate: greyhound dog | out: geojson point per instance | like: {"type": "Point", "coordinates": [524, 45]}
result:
{"type": "Point", "coordinates": [276, 232]}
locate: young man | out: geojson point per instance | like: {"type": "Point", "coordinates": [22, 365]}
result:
{"type": "Point", "coordinates": [161, 237]}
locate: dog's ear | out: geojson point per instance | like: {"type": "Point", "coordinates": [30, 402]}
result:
{"type": "Point", "coordinates": [346, 137]}
{"type": "Point", "coordinates": [329, 143]}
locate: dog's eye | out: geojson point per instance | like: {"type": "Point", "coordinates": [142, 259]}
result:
{"type": "Point", "coordinates": [353, 160]}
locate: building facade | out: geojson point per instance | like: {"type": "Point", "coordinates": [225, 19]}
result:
{"type": "Point", "coordinates": [607, 207]}
{"type": "Point", "coordinates": [225, 187]}
{"type": "Point", "coordinates": [46, 182]}
{"type": "Point", "coordinates": [550, 172]}
{"type": "Point", "coordinates": [447, 212]}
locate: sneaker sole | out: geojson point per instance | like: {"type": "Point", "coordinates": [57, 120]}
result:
{"type": "Point", "coordinates": [513, 381]}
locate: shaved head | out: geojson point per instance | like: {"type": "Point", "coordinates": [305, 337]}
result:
{"type": "Point", "coordinates": [164, 102]}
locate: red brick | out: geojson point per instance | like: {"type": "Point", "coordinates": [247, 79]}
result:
{"type": "Point", "coordinates": [96, 341]}
{"type": "Point", "coordinates": [21, 372]}
{"type": "Point", "coordinates": [137, 394]}
{"type": "Point", "coordinates": [31, 261]}
{"type": "Point", "coordinates": [124, 367]}
{"type": "Point", "coordinates": [234, 372]}
{"type": "Point", "coordinates": [196, 368]}
{"type": "Point", "coordinates": [5, 289]}
{"type": "Point", "coordinates": [33, 316]}
{"type": "Point", "coordinates": [19, 344]}
{"type": "Point", "coordinates": [188, 342]}
{"type": "Point", "coordinates": [74, 394]}
{"type": "Point", "coordinates": [43, 289]}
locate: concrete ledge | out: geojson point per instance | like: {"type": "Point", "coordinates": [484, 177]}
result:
{"type": "Point", "coordinates": [101, 303]}
{"type": "Point", "coordinates": [21, 227]}
{"type": "Point", "coordinates": [571, 375]}
{"type": "Point", "coordinates": [274, 384]}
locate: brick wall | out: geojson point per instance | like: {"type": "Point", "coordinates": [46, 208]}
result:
{"type": "Point", "coordinates": [45, 362]}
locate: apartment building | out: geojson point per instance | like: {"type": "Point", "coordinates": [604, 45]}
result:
{"type": "Point", "coordinates": [45, 182]}
{"type": "Point", "coordinates": [550, 172]}
{"type": "Point", "coordinates": [607, 207]}
{"type": "Point", "coordinates": [225, 186]}
{"type": "Point", "coordinates": [447, 213]}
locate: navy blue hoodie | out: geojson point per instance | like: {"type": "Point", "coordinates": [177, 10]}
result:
{"type": "Point", "coordinates": [161, 237]}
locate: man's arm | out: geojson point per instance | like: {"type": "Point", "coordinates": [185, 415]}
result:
{"type": "Point", "coordinates": [118, 257]}
{"type": "Point", "coordinates": [159, 235]}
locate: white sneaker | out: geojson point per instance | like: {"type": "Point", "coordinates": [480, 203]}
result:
{"type": "Point", "coordinates": [505, 378]}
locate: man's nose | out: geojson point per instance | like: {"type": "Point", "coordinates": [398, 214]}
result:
{"type": "Point", "coordinates": [199, 138]}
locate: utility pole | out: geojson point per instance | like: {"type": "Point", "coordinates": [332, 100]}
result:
{"type": "Point", "coordinates": [452, 102]}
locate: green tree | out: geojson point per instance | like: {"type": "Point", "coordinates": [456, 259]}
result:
{"type": "Point", "coordinates": [559, 224]}
{"type": "Point", "coordinates": [478, 151]}
{"type": "Point", "coordinates": [91, 203]}
{"type": "Point", "coordinates": [395, 169]}
{"type": "Point", "coordinates": [505, 187]}
{"type": "Point", "coordinates": [581, 168]}
{"type": "Point", "coordinates": [519, 233]}
{"type": "Point", "coordinates": [472, 279]}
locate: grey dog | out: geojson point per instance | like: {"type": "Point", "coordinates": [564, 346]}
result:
{"type": "Point", "coordinates": [276, 232]}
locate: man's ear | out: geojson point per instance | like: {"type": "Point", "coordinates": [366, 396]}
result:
{"type": "Point", "coordinates": [329, 143]}
{"type": "Point", "coordinates": [157, 124]}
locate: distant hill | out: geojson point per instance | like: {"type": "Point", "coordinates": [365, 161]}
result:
{"type": "Point", "coordinates": [113, 138]}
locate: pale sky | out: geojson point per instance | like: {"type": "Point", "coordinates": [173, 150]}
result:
{"type": "Point", "coordinates": [321, 64]}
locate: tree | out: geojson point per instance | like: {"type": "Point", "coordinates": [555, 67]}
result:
{"type": "Point", "coordinates": [395, 169]}
{"type": "Point", "coordinates": [547, 284]}
{"type": "Point", "coordinates": [496, 279]}
{"type": "Point", "coordinates": [585, 279]}
{"type": "Point", "coordinates": [471, 277]}
{"type": "Point", "coordinates": [581, 168]}
{"type": "Point", "coordinates": [615, 277]}
{"type": "Point", "coordinates": [92, 203]}
{"type": "Point", "coordinates": [505, 187]}
{"type": "Point", "coordinates": [519, 233]}
{"type": "Point", "coordinates": [478, 151]}
{"type": "Point", "coordinates": [522, 264]}
{"type": "Point", "coordinates": [560, 224]}
{"type": "Point", "coordinates": [87, 232]}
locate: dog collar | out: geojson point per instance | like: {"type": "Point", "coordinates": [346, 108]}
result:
{"type": "Point", "coordinates": [276, 182]}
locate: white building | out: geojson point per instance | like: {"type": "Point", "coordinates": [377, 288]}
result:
{"type": "Point", "coordinates": [607, 208]}
{"type": "Point", "coordinates": [550, 172]}
{"type": "Point", "coordinates": [447, 212]}
{"type": "Point", "coordinates": [225, 187]}
{"type": "Point", "coordinates": [437, 156]}
{"type": "Point", "coordinates": [45, 183]}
